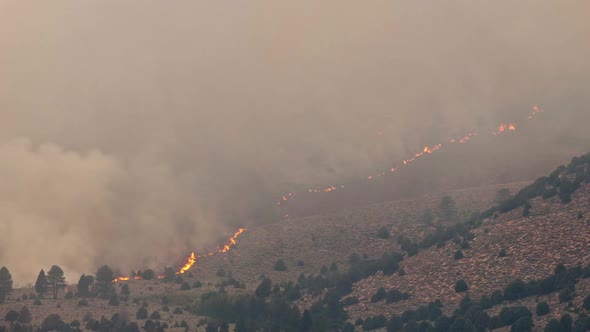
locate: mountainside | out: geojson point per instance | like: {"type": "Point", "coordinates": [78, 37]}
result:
{"type": "Point", "coordinates": [432, 262]}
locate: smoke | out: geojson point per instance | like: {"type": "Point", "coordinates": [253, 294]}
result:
{"type": "Point", "coordinates": [135, 131]}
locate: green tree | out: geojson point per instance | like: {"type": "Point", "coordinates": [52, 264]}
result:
{"type": "Point", "coordinates": [5, 283]}
{"type": "Point", "coordinates": [41, 283]}
{"type": "Point", "coordinates": [306, 322]}
{"type": "Point", "coordinates": [24, 316]}
{"type": "Point", "coordinates": [523, 324]}
{"type": "Point", "coordinates": [502, 195]}
{"type": "Point", "coordinates": [280, 265]}
{"type": "Point", "coordinates": [461, 286]}
{"type": "Point", "coordinates": [84, 285]}
{"type": "Point", "coordinates": [240, 326]}
{"type": "Point", "coordinates": [11, 316]}
{"type": "Point", "coordinates": [542, 308]}
{"type": "Point", "coordinates": [553, 326]}
{"type": "Point", "coordinates": [55, 280]}
{"type": "Point", "coordinates": [125, 290]}
{"type": "Point", "coordinates": [379, 295]}
{"type": "Point", "coordinates": [448, 208]}
{"type": "Point", "coordinates": [142, 313]}
{"type": "Point", "coordinates": [148, 274]}
{"type": "Point", "coordinates": [264, 288]}
{"type": "Point", "coordinates": [427, 217]}
{"type": "Point", "coordinates": [104, 281]}
{"type": "Point", "coordinates": [383, 232]}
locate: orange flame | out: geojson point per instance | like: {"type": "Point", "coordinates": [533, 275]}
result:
{"type": "Point", "coordinates": [191, 260]}
{"type": "Point", "coordinates": [502, 128]}
{"type": "Point", "coordinates": [534, 112]}
{"type": "Point", "coordinates": [232, 241]}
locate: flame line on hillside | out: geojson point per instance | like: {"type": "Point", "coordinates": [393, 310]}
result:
{"type": "Point", "coordinates": [501, 129]}
{"type": "Point", "coordinates": [191, 260]}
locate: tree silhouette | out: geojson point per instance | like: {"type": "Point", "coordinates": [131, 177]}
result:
{"type": "Point", "coordinates": [448, 208]}
{"type": "Point", "coordinates": [5, 283]}
{"type": "Point", "coordinates": [24, 316]}
{"type": "Point", "coordinates": [104, 281]}
{"type": "Point", "coordinates": [84, 285]}
{"type": "Point", "coordinates": [55, 280]}
{"type": "Point", "coordinates": [41, 283]}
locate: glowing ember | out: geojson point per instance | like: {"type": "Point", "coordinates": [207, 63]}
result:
{"type": "Point", "coordinates": [503, 127]}
{"type": "Point", "coordinates": [535, 111]}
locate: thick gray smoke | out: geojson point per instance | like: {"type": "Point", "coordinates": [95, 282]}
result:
{"type": "Point", "coordinates": [133, 131]}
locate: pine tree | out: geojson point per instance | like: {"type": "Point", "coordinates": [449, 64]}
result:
{"type": "Point", "coordinates": [24, 316]}
{"type": "Point", "coordinates": [84, 285]}
{"type": "Point", "coordinates": [55, 280]}
{"type": "Point", "coordinates": [41, 284]}
{"type": "Point", "coordinates": [104, 281]}
{"type": "Point", "coordinates": [5, 283]}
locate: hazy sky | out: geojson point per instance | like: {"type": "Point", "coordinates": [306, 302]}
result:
{"type": "Point", "coordinates": [134, 129]}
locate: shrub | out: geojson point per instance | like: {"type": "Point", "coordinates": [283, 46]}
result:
{"type": "Point", "coordinates": [142, 313]}
{"type": "Point", "coordinates": [458, 254]}
{"type": "Point", "coordinates": [580, 215]}
{"type": "Point", "coordinates": [553, 325]}
{"type": "Point", "coordinates": [148, 274]}
{"type": "Point", "coordinates": [395, 295]}
{"type": "Point", "coordinates": [264, 288]}
{"type": "Point", "coordinates": [37, 302]}
{"type": "Point", "coordinates": [300, 263]}
{"type": "Point", "coordinates": [373, 323]}
{"type": "Point", "coordinates": [566, 322]}
{"type": "Point", "coordinates": [502, 253]}
{"type": "Point", "coordinates": [565, 295]}
{"type": "Point", "coordinates": [155, 315]}
{"type": "Point", "coordinates": [542, 308]}
{"type": "Point", "coordinates": [461, 286]}
{"type": "Point", "coordinates": [516, 289]}
{"type": "Point", "coordinates": [379, 295]}
{"type": "Point", "coordinates": [586, 303]}
{"type": "Point", "coordinates": [280, 265]}
{"type": "Point", "coordinates": [177, 311]}
{"type": "Point", "coordinates": [197, 284]}
{"type": "Point", "coordinates": [69, 295]}
{"type": "Point", "coordinates": [165, 300]}
{"type": "Point", "coordinates": [350, 300]}
{"type": "Point", "coordinates": [523, 324]}
{"type": "Point", "coordinates": [83, 303]}
{"type": "Point", "coordinates": [114, 299]}
{"type": "Point", "coordinates": [354, 258]}
{"type": "Point", "coordinates": [383, 233]}
{"type": "Point", "coordinates": [220, 273]}
{"type": "Point", "coordinates": [185, 286]}
{"type": "Point", "coordinates": [509, 315]}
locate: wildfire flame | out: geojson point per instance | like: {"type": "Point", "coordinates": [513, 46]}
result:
{"type": "Point", "coordinates": [192, 258]}
{"type": "Point", "coordinates": [232, 241]}
{"type": "Point", "coordinates": [535, 111]}
{"type": "Point", "coordinates": [503, 127]}
{"type": "Point", "coordinates": [190, 261]}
